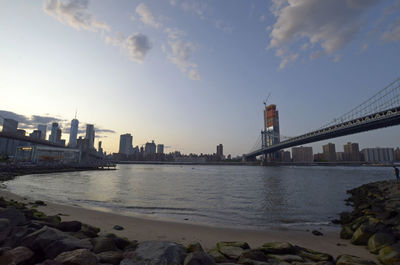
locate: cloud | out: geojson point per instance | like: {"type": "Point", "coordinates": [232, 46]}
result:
{"type": "Point", "coordinates": [195, 6]}
{"type": "Point", "coordinates": [146, 16]}
{"type": "Point", "coordinates": [174, 33]}
{"type": "Point", "coordinates": [392, 34]}
{"type": "Point", "coordinates": [74, 13]}
{"type": "Point", "coordinates": [137, 45]}
{"type": "Point", "coordinates": [225, 27]}
{"type": "Point", "coordinates": [328, 25]}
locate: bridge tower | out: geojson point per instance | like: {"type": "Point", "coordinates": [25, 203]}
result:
{"type": "Point", "coordinates": [270, 135]}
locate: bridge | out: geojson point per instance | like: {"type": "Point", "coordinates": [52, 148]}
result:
{"type": "Point", "coordinates": [380, 111]}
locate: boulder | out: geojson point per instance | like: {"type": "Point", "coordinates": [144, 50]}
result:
{"type": "Point", "coordinates": [18, 255]}
{"type": "Point", "coordinates": [253, 254]}
{"type": "Point", "coordinates": [89, 231]}
{"type": "Point", "coordinates": [198, 258]}
{"type": "Point", "coordinates": [380, 240]}
{"type": "Point", "coordinates": [156, 253]}
{"type": "Point", "coordinates": [77, 257]}
{"type": "Point", "coordinates": [361, 235]}
{"type": "Point", "coordinates": [121, 243]}
{"type": "Point", "coordinates": [217, 256]}
{"type": "Point", "coordinates": [110, 257]}
{"type": "Point", "coordinates": [352, 260]}
{"type": "Point", "coordinates": [50, 262]}
{"type": "Point", "coordinates": [102, 244]}
{"type": "Point", "coordinates": [118, 227]}
{"type": "Point", "coordinates": [239, 244]}
{"type": "Point", "coordinates": [5, 228]}
{"type": "Point", "coordinates": [246, 261]}
{"type": "Point", "coordinates": [232, 250]}
{"type": "Point", "coordinates": [71, 226]}
{"type": "Point", "coordinates": [346, 232]}
{"type": "Point", "coordinates": [390, 255]}
{"type": "Point", "coordinates": [194, 247]}
{"type": "Point", "coordinates": [315, 256]}
{"type": "Point", "coordinates": [317, 233]}
{"type": "Point", "coordinates": [278, 248]}
{"type": "Point", "coordinates": [286, 258]}
{"type": "Point", "coordinates": [345, 217]}
{"type": "Point", "coordinates": [16, 217]}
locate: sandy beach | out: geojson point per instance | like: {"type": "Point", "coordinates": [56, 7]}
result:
{"type": "Point", "coordinates": [142, 229]}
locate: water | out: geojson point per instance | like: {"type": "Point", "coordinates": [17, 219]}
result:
{"type": "Point", "coordinates": [232, 196]}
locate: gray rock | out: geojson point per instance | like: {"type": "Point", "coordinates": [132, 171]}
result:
{"type": "Point", "coordinates": [5, 228]}
{"type": "Point", "coordinates": [156, 253]}
{"type": "Point", "coordinates": [254, 254]}
{"type": "Point", "coordinates": [118, 227]}
{"type": "Point", "coordinates": [121, 243]}
{"type": "Point", "coordinates": [103, 244]}
{"type": "Point", "coordinates": [16, 217]}
{"type": "Point", "coordinates": [71, 226]}
{"type": "Point", "coordinates": [379, 241]}
{"type": "Point", "coordinates": [21, 254]}
{"type": "Point", "coordinates": [352, 260]}
{"type": "Point", "coordinates": [194, 247]}
{"type": "Point", "coordinates": [217, 256]}
{"type": "Point", "coordinates": [89, 231]}
{"type": "Point", "coordinates": [286, 258]}
{"type": "Point", "coordinates": [316, 233]}
{"type": "Point", "coordinates": [278, 248]}
{"type": "Point", "coordinates": [198, 258]}
{"type": "Point", "coordinates": [110, 257]}
{"type": "Point", "coordinates": [232, 250]}
{"type": "Point", "coordinates": [361, 235]}
{"type": "Point", "coordinates": [77, 257]}
{"type": "Point", "coordinates": [390, 255]}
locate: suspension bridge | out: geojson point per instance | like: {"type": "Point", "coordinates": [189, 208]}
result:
{"type": "Point", "coordinates": [379, 111]}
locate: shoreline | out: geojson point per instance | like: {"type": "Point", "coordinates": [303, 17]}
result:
{"type": "Point", "coordinates": [144, 229]}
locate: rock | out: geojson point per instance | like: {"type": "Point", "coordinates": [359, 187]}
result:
{"type": "Point", "coordinates": [246, 261]}
{"type": "Point", "coordinates": [117, 227]}
{"type": "Point", "coordinates": [20, 254]}
{"type": "Point", "coordinates": [390, 255]}
{"type": "Point", "coordinates": [278, 248]}
{"type": "Point", "coordinates": [41, 203]}
{"type": "Point", "coordinates": [156, 253]}
{"type": "Point", "coordinates": [232, 250]}
{"type": "Point", "coordinates": [77, 257]}
{"type": "Point", "coordinates": [5, 228]}
{"type": "Point", "coordinates": [198, 258]}
{"type": "Point", "coordinates": [111, 257]}
{"type": "Point", "coordinates": [309, 254]}
{"type": "Point", "coordinates": [286, 258]}
{"type": "Point", "coordinates": [361, 235]}
{"type": "Point", "coordinates": [89, 231]}
{"type": "Point", "coordinates": [352, 260]}
{"type": "Point", "coordinates": [346, 232]}
{"type": "Point", "coordinates": [194, 247]}
{"type": "Point", "coordinates": [50, 262]}
{"type": "Point", "coordinates": [71, 226]}
{"type": "Point", "coordinates": [121, 243]}
{"type": "Point", "coordinates": [102, 244]}
{"type": "Point", "coordinates": [380, 240]}
{"type": "Point", "coordinates": [316, 233]}
{"type": "Point", "coordinates": [239, 244]}
{"type": "Point", "coordinates": [345, 217]}
{"type": "Point", "coordinates": [217, 256]}
{"type": "Point", "coordinates": [51, 242]}
{"type": "Point", "coordinates": [253, 254]}
{"type": "Point", "coordinates": [16, 217]}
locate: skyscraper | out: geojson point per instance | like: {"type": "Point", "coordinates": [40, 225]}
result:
{"type": "Point", "coordinates": [90, 135]}
{"type": "Point", "coordinates": [329, 152]}
{"type": "Point", "coordinates": [10, 126]}
{"type": "Point", "coordinates": [150, 148]}
{"type": "Point", "coordinates": [220, 150]}
{"type": "Point", "coordinates": [125, 144]}
{"type": "Point", "coordinates": [351, 152]}
{"type": "Point", "coordinates": [160, 149]}
{"type": "Point", "coordinates": [73, 133]}
{"type": "Point", "coordinates": [43, 129]}
{"type": "Point", "coordinates": [53, 133]}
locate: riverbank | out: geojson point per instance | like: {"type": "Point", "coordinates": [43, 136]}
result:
{"type": "Point", "coordinates": [142, 229]}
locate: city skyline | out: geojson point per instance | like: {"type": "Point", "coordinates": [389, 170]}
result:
{"type": "Point", "coordinates": [194, 75]}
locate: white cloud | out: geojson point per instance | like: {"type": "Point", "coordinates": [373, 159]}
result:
{"type": "Point", "coordinates": [74, 13]}
{"type": "Point", "coordinates": [393, 33]}
{"type": "Point", "coordinates": [136, 45]}
{"type": "Point", "coordinates": [174, 33]}
{"type": "Point", "coordinates": [328, 24]}
{"type": "Point", "coordinates": [196, 6]}
{"type": "Point", "coordinates": [146, 16]}
{"type": "Point", "coordinates": [222, 25]}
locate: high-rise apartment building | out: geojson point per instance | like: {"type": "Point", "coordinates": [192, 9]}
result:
{"type": "Point", "coordinates": [90, 134]}
{"type": "Point", "coordinates": [351, 152]}
{"type": "Point", "coordinates": [125, 144]}
{"type": "Point", "coordinates": [150, 148]}
{"type": "Point", "coordinates": [302, 154]}
{"type": "Point", "coordinates": [378, 154]}
{"type": "Point", "coordinates": [53, 133]}
{"type": "Point", "coordinates": [160, 149]}
{"type": "Point", "coordinates": [10, 126]}
{"type": "Point", "coordinates": [43, 129]}
{"type": "Point", "coordinates": [220, 150]}
{"type": "Point", "coordinates": [73, 133]}
{"type": "Point", "coordinates": [329, 152]}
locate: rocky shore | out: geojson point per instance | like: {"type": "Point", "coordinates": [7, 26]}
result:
{"type": "Point", "coordinates": [28, 236]}
{"type": "Point", "coordinates": [375, 220]}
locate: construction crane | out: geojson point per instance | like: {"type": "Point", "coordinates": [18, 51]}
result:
{"type": "Point", "coordinates": [265, 101]}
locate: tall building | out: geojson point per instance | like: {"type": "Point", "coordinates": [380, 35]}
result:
{"type": "Point", "coordinates": [10, 126]}
{"type": "Point", "coordinates": [160, 149]}
{"type": "Point", "coordinates": [100, 149]}
{"type": "Point", "coordinates": [53, 133]}
{"type": "Point", "coordinates": [125, 144]}
{"type": "Point", "coordinates": [36, 134]}
{"type": "Point", "coordinates": [329, 152]}
{"type": "Point", "coordinates": [378, 154]}
{"type": "Point", "coordinates": [43, 129]}
{"type": "Point", "coordinates": [220, 151]}
{"type": "Point", "coordinates": [284, 156]}
{"type": "Point", "coordinates": [302, 154]}
{"type": "Point", "coordinates": [351, 152]}
{"type": "Point", "coordinates": [21, 132]}
{"type": "Point", "coordinates": [73, 133]}
{"type": "Point", "coordinates": [150, 148]}
{"type": "Point", "coordinates": [271, 134]}
{"type": "Point", "coordinates": [397, 154]}
{"type": "Point", "coordinates": [90, 135]}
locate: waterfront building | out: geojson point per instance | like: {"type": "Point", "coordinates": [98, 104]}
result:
{"type": "Point", "coordinates": [318, 157]}
{"type": "Point", "coordinates": [271, 134]}
{"type": "Point", "coordinates": [378, 154]}
{"type": "Point", "coordinates": [285, 156]}
{"type": "Point", "coordinates": [220, 151]}
{"type": "Point", "coordinates": [397, 154]}
{"type": "Point", "coordinates": [150, 148]}
{"type": "Point", "coordinates": [160, 149]}
{"type": "Point", "coordinates": [329, 152]}
{"type": "Point", "coordinates": [302, 154]}
{"type": "Point", "coordinates": [73, 133]}
{"type": "Point", "coordinates": [90, 134]}
{"type": "Point", "coordinates": [351, 152]}
{"type": "Point", "coordinates": [10, 126]}
{"type": "Point", "coordinates": [43, 129]}
{"type": "Point", "coordinates": [37, 134]}
{"type": "Point", "coordinates": [125, 144]}
{"type": "Point", "coordinates": [45, 154]}
{"type": "Point", "coordinates": [53, 133]}
{"type": "Point", "coordinates": [340, 156]}
{"type": "Point", "coordinates": [21, 132]}
{"type": "Point", "coordinates": [100, 149]}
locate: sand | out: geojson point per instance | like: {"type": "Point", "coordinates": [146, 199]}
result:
{"type": "Point", "coordinates": [141, 229]}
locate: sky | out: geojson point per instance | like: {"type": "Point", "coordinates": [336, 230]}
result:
{"type": "Point", "coordinates": [192, 74]}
